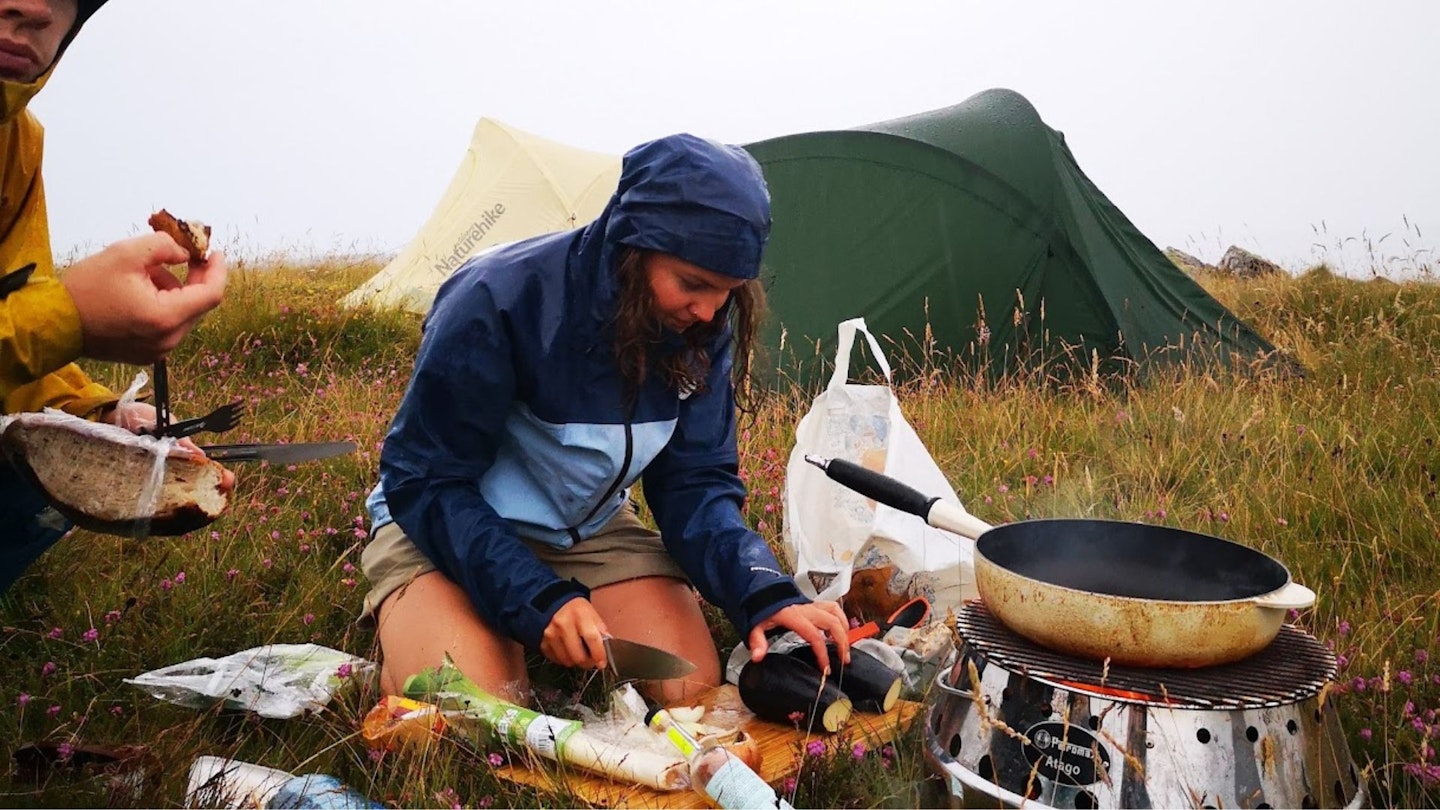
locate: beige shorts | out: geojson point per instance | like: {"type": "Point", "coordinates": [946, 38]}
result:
{"type": "Point", "coordinates": [624, 549]}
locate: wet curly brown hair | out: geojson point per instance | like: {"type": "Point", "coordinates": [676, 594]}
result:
{"type": "Point", "coordinates": [638, 334]}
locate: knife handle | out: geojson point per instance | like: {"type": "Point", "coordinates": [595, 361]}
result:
{"type": "Point", "coordinates": [229, 452]}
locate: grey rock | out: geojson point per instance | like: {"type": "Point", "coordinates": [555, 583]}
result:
{"type": "Point", "coordinates": [1242, 263]}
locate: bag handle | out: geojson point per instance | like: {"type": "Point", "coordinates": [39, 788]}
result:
{"type": "Point", "coordinates": [847, 343]}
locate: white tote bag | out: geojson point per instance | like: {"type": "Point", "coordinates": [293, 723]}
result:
{"type": "Point", "coordinates": [830, 531]}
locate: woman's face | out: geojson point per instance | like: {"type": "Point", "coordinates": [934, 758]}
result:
{"type": "Point", "coordinates": [30, 35]}
{"type": "Point", "coordinates": [685, 294]}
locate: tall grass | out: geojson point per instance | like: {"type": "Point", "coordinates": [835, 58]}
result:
{"type": "Point", "coordinates": [1333, 472]}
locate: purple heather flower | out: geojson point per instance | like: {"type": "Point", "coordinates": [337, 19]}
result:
{"type": "Point", "coordinates": [48, 669]}
{"type": "Point", "coordinates": [495, 760]}
{"type": "Point", "coordinates": [1366, 734]}
{"type": "Point", "coordinates": [56, 632]}
{"type": "Point", "coordinates": [814, 748]}
{"type": "Point", "coordinates": [309, 618]}
{"type": "Point", "coordinates": [53, 710]}
{"type": "Point", "coordinates": [23, 699]}
{"type": "Point", "coordinates": [179, 577]}
{"type": "Point", "coordinates": [1405, 677]}
{"type": "Point", "coordinates": [858, 750]}
{"type": "Point", "coordinates": [112, 616]}
{"type": "Point", "coordinates": [344, 670]}
{"type": "Point", "coordinates": [91, 635]}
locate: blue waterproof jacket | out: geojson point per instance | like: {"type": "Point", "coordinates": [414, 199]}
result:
{"type": "Point", "coordinates": [515, 420]}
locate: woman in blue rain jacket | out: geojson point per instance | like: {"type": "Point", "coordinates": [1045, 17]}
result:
{"type": "Point", "coordinates": [553, 374]}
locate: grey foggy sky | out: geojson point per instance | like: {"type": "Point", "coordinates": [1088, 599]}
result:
{"type": "Point", "coordinates": [317, 126]}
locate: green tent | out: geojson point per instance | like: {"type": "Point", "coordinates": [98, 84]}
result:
{"type": "Point", "coordinates": [975, 223]}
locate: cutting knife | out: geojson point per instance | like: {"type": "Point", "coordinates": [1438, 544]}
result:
{"type": "Point", "coordinates": [277, 453]}
{"type": "Point", "coordinates": [631, 659]}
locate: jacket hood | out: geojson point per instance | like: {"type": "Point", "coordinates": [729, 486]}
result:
{"type": "Point", "coordinates": [693, 198]}
{"type": "Point", "coordinates": [15, 96]}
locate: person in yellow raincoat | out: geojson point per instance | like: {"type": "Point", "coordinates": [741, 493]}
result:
{"type": "Point", "coordinates": [120, 304]}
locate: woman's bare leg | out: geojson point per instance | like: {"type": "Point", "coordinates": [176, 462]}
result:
{"type": "Point", "coordinates": [663, 612]}
{"type": "Point", "coordinates": [431, 616]}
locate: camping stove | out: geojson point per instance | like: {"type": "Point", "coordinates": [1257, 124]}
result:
{"type": "Point", "coordinates": [1016, 724]}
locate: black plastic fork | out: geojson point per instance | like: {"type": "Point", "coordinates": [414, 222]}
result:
{"type": "Point", "coordinates": [219, 420]}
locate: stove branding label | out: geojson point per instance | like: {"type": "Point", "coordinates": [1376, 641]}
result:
{"type": "Point", "coordinates": [1066, 753]}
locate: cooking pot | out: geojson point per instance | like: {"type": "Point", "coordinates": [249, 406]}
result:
{"type": "Point", "coordinates": [1136, 594]}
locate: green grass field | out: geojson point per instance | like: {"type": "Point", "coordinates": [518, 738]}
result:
{"type": "Point", "coordinates": [1334, 473]}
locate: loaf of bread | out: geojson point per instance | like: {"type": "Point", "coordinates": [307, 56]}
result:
{"type": "Point", "coordinates": [193, 236]}
{"type": "Point", "coordinates": [100, 476]}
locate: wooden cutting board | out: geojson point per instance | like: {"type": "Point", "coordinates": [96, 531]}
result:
{"type": "Point", "coordinates": [782, 748]}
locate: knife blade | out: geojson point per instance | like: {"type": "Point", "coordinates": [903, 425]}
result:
{"type": "Point", "coordinates": [631, 659]}
{"type": "Point", "coordinates": [278, 453]}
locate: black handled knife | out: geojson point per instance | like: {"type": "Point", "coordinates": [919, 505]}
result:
{"type": "Point", "coordinates": [278, 453]}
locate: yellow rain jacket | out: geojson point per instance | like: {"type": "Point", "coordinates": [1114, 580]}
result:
{"type": "Point", "coordinates": [39, 326]}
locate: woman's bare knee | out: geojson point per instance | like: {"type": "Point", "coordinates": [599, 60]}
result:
{"type": "Point", "coordinates": [431, 618]}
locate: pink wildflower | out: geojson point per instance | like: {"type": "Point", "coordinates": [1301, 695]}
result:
{"type": "Point", "coordinates": [814, 748]}
{"type": "Point", "coordinates": [56, 632]}
{"type": "Point", "coordinates": [179, 577]}
{"type": "Point", "coordinates": [232, 573]}
{"type": "Point", "coordinates": [53, 710]}
{"type": "Point", "coordinates": [90, 635]}
{"type": "Point", "coordinates": [344, 670]}
{"type": "Point", "coordinates": [23, 699]}
{"type": "Point", "coordinates": [309, 618]}
{"type": "Point", "coordinates": [495, 760]}
{"type": "Point", "coordinates": [48, 669]}
{"type": "Point", "coordinates": [858, 750]}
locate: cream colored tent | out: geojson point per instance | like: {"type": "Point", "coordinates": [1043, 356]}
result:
{"type": "Point", "coordinates": [511, 185]}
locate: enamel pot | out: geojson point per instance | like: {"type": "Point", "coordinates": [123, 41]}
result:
{"type": "Point", "coordinates": [1136, 594]}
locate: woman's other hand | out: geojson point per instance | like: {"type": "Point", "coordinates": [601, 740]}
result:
{"type": "Point", "coordinates": [575, 636]}
{"type": "Point", "coordinates": [812, 621]}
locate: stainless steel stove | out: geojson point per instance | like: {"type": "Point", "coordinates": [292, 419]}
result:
{"type": "Point", "coordinates": [1014, 724]}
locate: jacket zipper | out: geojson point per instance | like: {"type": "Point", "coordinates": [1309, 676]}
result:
{"type": "Point", "coordinates": [614, 485]}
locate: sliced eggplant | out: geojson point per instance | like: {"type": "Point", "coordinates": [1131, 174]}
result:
{"type": "Point", "coordinates": [789, 691]}
{"type": "Point", "coordinates": [871, 686]}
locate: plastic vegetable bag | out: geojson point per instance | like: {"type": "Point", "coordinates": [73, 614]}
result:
{"type": "Point", "coordinates": [830, 531]}
{"type": "Point", "coordinates": [276, 681]}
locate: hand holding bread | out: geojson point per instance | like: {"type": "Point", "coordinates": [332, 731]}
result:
{"type": "Point", "coordinates": [132, 308]}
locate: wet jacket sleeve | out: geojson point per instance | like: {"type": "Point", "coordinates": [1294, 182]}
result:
{"type": "Point", "coordinates": [694, 489]}
{"type": "Point", "coordinates": [444, 438]}
{"type": "Point", "coordinates": [40, 335]}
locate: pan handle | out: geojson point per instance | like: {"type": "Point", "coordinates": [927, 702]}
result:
{"type": "Point", "coordinates": [1292, 596]}
{"type": "Point", "coordinates": [899, 495]}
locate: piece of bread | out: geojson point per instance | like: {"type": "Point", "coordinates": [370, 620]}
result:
{"type": "Point", "coordinates": [193, 236]}
{"type": "Point", "coordinates": [96, 475]}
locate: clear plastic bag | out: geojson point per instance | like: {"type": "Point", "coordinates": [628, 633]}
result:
{"type": "Point", "coordinates": [830, 531]}
{"type": "Point", "coordinates": [277, 680]}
